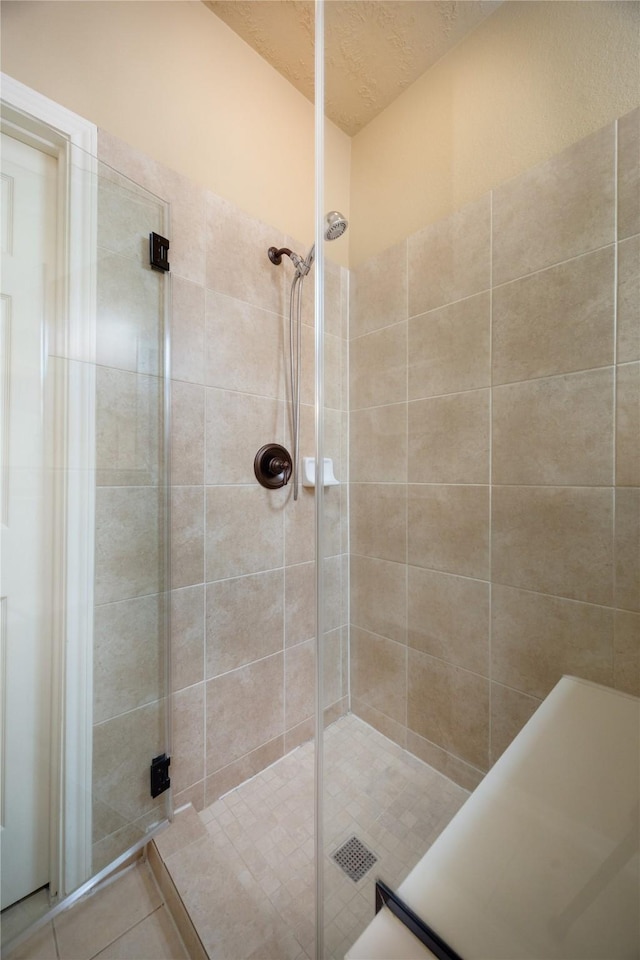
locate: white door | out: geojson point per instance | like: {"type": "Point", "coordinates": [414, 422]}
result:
{"type": "Point", "coordinates": [28, 261]}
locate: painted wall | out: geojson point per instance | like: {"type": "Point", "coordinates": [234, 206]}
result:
{"type": "Point", "coordinates": [172, 80]}
{"type": "Point", "coordinates": [534, 78]}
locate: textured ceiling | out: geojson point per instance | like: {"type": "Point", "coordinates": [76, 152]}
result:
{"type": "Point", "coordinates": [374, 48]}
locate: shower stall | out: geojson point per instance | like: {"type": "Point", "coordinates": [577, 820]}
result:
{"type": "Point", "coordinates": [347, 660]}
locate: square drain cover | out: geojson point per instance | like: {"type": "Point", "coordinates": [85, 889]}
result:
{"type": "Point", "coordinates": [354, 858]}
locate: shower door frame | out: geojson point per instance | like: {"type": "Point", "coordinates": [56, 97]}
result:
{"type": "Point", "coordinates": [70, 402]}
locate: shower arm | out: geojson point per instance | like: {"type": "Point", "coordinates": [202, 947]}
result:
{"type": "Point", "coordinates": [276, 254]}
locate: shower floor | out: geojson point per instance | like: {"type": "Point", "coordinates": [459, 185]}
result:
{"type": "Point", "coordinates": [244, 867]}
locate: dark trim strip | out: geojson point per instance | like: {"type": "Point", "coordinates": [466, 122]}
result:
{"type": "Point", "coordinates": [385, 897]}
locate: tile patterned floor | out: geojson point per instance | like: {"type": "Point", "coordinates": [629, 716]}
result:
{"type": "Point", "coordinates": [124, 919]}
{"type": "Point", "coordinates": [244, 866]}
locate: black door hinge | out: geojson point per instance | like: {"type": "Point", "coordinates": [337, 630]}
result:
{"type": "Point", "coordinates": [159, 252]}
{"type": "Point", "coordinates": [160, 779]}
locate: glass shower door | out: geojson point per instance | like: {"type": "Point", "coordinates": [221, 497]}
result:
{"type": "Point", "coordinates": [131, 519]}
{"type": "Point", "coordinates": [88, 390]}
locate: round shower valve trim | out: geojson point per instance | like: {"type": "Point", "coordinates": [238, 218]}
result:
{"type": "Point", "coordinates": [273, 466]}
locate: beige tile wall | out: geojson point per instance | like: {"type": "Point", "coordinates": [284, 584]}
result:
{"type": "Point", "coordinates": [243, 600]}
{"type": "Point", "coordinates": [495, 474]}
{"type": "Point", "coordinates": [495, 487]}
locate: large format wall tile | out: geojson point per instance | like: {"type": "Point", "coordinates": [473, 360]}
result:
{"type": "Point", "coordinates": [528, 339]}
{"type": "Point", "coordinates": [378, 291]}
{"type": "Point", "coordinates": [448, 618]}
{"type": "Point", "coordinates": [187, 536]}
{"type": "Point", "coordinates": [128, 544]}
{"type": "Point", "coordinates": [450, 348]}
{"type": "Point", "coordinates": [126, 215]}
{"type": "Point", "coordinates": [245, 767]}
{"type": "Point", "coordinates": [244, 711]}
{"type": "Point", "coordinates": [627, 548]}
{"type": "Point", "coordinates": [187, 759]}
{"type": "Point", "coordinates": [299, 603]}
{"type": "Point", "coordinates": [378, 597]}
{"type": "Point", "coordinates": [245, 620]}
{"type": "Point", "coordinates": [537, 344]}
{"type": "Point", "coordinates": [188, 202]}
{"type": "Point", "coordinates": [335, 677]}
{"type": "Point", "coordinates": [187, 636]}
{"type": "Point", "coordinates": [560, 209]}
{"type": "Point", "coordinates": [628, 425]}
{"type": "Point", "coordinates": [245, 347]}
{"type": "Point", "coordinates": [336, 293]}
{"type": "Point", "coordinates": [379, 445]}
{"type": "Point", "coordinates": [129, 313]}
{"type": "Point", "coordinates": [187, 331]}
{"type": "Point", "coordinates": [626, 652]}
{"type": "Point", "coordinates": [244, 530]}
{"type": "Point", "coordinates": [299, 683]}
{"type": "Point", "coordinates": [122, 751]}
{"type": "Point", "coordinates": [449, 438]}
{"type": "Point", "coordinates": [629, 174]}
{"type": "Point", "coordinates": [557, 430]}
{"type": "Point", "coordinates": [378, 367]}
{"type": "Point", "coordinates": [237, 261]}
{"type": "Point", "coordinates": [335, 373]}
{"type": "Point", "coordinates": [555, 540]}
{"type": "Point", "coordinates": [629, 300]}
{"type": "Point", "coordinates": [448, 528]}
{"type": "Point", "coordinates": [238, 425]}
{"type": "Point", "coordinates": [378, 520]}
{"type": "Point", "coordinates": [334, 583]}
{"type": "Point", "coordinates": [129, 417]}
{"type": "Point", "coordinates": [449, 260]}
{"type": "Point", "coordinates": [380, 674]}
{"type": "Point", "coordinates": [299, 523]}
{"type": "Point", "coordinates": [187, 433]}
{"type": "Point", "coordinates": [449, 707]}
{"type": "Point", "coordinates": [188, 226]}
{"type": "Point", "coordinates": [229, 345]}
{"type": "Point", "coordinates": [461, 772]}
{"type": "Point", "coordinates": [536, 639]}
{"type": "Point", "coordinates": [510, 710]}
{"type": "Point", "coordinates": [128, 656]}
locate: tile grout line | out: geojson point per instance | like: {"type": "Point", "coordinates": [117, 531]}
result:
{"type": "Point", "coordinates": [615, 393]}
{"type": "Point", "coordinates": [491, 389]}
{"type": "Point", "coordinates": [205, 639]}
{"type": "Point", "coordinates": [406, 501]}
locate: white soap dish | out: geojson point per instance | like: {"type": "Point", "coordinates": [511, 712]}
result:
{"type": "Point", "coordinates": [309, 472]}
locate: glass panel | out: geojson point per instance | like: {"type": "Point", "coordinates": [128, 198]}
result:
{"type": "Point", "coordinates": [84, 494]}
{"type": "Point", "coordinates": [493, 495]}
{"type": "Point", "coordinates": [131, 575]}
{"type": "Point", "coordinates": [336, 760]}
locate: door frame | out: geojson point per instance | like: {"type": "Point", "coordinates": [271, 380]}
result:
{"type": "Point", "coordinates": [70, 398]}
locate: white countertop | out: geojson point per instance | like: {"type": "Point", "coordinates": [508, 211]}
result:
{"type": "Point", "coordinates": [542, 860]}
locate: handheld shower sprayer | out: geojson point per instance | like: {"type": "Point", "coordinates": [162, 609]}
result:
{"type": "Point", "coordinates": [334, 226]}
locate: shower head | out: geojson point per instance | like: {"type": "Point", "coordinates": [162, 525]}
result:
{"type": "Point", "coordinates": [334, 225]}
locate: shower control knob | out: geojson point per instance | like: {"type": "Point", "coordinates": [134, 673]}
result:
{"type": "Point", "coordinates": [273, 466]}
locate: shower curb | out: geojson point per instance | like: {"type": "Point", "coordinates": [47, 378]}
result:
{"type": "Point", "coordinates": [175, 905]}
